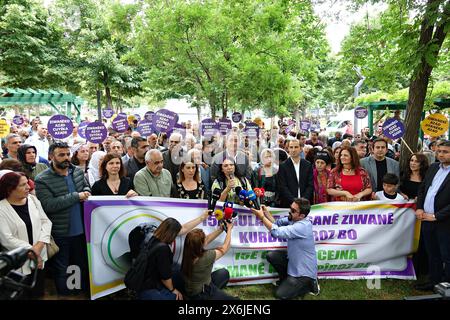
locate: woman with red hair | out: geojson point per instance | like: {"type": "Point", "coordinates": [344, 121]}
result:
{"type": "Point", "coordinates": [349, 181]}
{"type": "Point", "coordinates": [24, 224]}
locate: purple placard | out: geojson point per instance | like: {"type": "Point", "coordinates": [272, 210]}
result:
{"type": "Point", "coordinates": [137, 117]}
{"type": "Point", "coordinates": [120, 124]}
{"type": "Point", "coordinates": [315, 126]}
{"type": "Point", "coordinates": [149, 115]}
{"type": "Point", "coordinates": [60, 126]}
{"type": "Point", "coordinates": [164, 120]}
{"type": "Point", "coordinates": [305, 125]}
{"type": "Point", "coordinates": [82, 129]}
{"type": "Point", "coordinates": [361, 112]}
{"type": "Point", "coordinates": [289, 128]}
{"type": "Point", "coordinates": [208, 127]}
{"type": "Point", "coordinates": [291, 122]}
{"type": "Point", "coordinates": [237, 117]}
{"type": "Point", "coordinates": [18, 120]}
{"type": "Point", "coordinates": [108, 113]}
{"type": "Point", "coordinates": [96, 132]}
{"type": "Point", "coordinates": [122, 114]}
{"type": "Point", "coordinates": [180, 129]}
{"type": "Point", "coordinates": [393, 129]}
{"type": "Point", "coordinates": [145, 128]}
{"type": "Point", "coordinates": [224, 126]}
{"type": "Point", "coordinates": [252, 130]}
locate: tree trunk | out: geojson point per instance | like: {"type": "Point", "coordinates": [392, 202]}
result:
{"type": "Point", "coordinates": [199, 113]}
{"type": "Point", "coordinates": [421, 78]}
{"type": "Point", "coordinates": [108, 97]}
{"type": "Point", "coordinates": [99, 105]}
{"type": "Point", "coordinates": [212, 105]}
{"type": "Point", "coordinates": [107, 91]}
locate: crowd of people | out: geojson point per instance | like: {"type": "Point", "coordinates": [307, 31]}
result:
{"type": "Point", "coordinates": [45, 181]}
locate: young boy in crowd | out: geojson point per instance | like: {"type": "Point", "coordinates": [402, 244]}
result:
{"type": "Point", "coordinates": [390, 185]}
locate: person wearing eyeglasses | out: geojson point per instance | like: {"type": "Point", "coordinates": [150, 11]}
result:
{"type": "Point", "coordinates": [153, 179]}
{"type": "Point", "coordinates": [174, 156]}
{"type": "Point", "coordinates": [297, 267]}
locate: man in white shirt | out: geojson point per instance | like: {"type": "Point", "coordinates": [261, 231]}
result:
{"type": "Point", "coordinates": [74, 138]}
{"type": "Point", "coordinates": [295, 176]}
{"type": "Point", "coordinates": [40, 141]}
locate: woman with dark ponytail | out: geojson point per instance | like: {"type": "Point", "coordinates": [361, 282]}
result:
{"type": "Point", "coordinates": [200, 283]}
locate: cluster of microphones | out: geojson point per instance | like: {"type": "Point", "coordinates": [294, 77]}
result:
{"type": "Point", "coordinates": [250, 199]}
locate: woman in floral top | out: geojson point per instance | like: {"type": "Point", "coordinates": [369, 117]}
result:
{"type": "Point", "coordinates": [349, 181]}
{"type": "Point", "coordinates": [229, 182]}
{"type": "Point", "coordinates": [189, 184]}
{"type": "Point", "coordinates": [320, 176]}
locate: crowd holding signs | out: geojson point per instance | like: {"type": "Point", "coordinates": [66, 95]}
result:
{"type": "Point", "coordinates": [339, 205]}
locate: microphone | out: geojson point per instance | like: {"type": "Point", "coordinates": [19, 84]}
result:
{"type": "Point", "coordinates": [252, 197]}
{"type": "Point", "coordinates": [218, 214]}
{"type": "Point", "coordinates": [263, 192]}
{"type": "Point", "coordinates": [237, 190]}
{"type": "Point", "coordinates": [228, 205]}
{"type": "Point", "coordinates": [228, 214]}
{"type": "Point", "coordinates": [243, 195]}
{"type": "Point", "coordinates": [220, 218]}
{"type": "Point", "coordinates": [213, 198]}
{"type": "Point", "coordinates": [12, 260]}
{"type": "Point", "coordinates": [257, 192]}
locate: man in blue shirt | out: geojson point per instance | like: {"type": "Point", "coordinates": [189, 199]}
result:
{"type": "Point", "coordinates": [297, 267]}
{"type": "Point", "coordinates": [62, 189]}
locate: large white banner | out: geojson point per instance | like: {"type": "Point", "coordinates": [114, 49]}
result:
{"type": "Point", "coordinates": [353, 240]}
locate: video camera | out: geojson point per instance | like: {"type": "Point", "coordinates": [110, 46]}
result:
{"type": "Point", "coordinates": [11, 282]}
{"type": "Point", "coordinates": [442, 293]}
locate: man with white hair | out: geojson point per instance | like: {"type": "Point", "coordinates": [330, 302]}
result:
{"type": "Point", "coordinates": [153, 179]}
{"type": "Point", "coordinates": [174, 156]}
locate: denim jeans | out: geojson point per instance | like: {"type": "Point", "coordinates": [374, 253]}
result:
{"type": "Point", "coordinates": [72, 251]}
{"type": "Point", "coordinates": [155, 294]}
{"type": "Point", "coordinates": [290, 287]}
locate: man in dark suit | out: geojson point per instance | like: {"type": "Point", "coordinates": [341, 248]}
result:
{"type": "Point", "coordinates": [433, 208]}
{"type": "Point", "coordinates": [231, 151]}
{"type": "Point", "coordinates": [295, 176]}
{"type": "Point", "coordinates": [139, 145]}
{"type": "Point", "coordinates": [174, 156]}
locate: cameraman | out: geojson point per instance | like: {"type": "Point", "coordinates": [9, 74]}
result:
{"type": "Point", "coordinates": [297, 267]}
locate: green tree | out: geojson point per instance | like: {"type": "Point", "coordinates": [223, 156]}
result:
{"type": "Point", "coordinates": [29, 45]}
{"type": "Point", "coordinates": [411, 40]}
{"type": "Point", "coordinates": [234, 54]}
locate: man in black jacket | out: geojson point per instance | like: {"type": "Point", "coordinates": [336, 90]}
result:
{"type": "Point", "coordinates": [295, 176]}
{"type": "Point", "coordinates": [174, 156]}
{"type": "Point", "coordinates": [433, 208]}
{"type": "Point", "coordinates": [140, 146]}
{"type": "Point", "coordinates": [62, 189]}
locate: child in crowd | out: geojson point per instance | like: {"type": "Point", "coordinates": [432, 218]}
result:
{"type": "Point", "coordinates": [390, 186]}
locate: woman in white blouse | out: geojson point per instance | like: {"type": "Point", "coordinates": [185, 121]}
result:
{"type": "Point", "coordinates": [23, 223]}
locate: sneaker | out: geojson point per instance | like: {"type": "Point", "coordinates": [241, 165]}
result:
{"type": "Point", "coordinates": [316, 288]}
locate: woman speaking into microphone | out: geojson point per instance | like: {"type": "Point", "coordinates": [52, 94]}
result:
{"type": "Point", "coordinates": [229, 182]}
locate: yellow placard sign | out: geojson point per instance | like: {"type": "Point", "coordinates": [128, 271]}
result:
{"type": "Point", "coordinates": [435, 125]}
{"type": "Point", "coordinates": [4, 128]}
{"type": "Point", "coordinates": [131, 118]}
